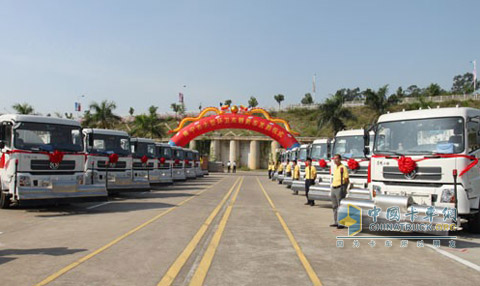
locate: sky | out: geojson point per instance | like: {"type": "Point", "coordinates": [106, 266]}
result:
{"type": "Point", "coordinates": [143, 53]}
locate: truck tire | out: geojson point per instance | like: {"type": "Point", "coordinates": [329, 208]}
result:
{"type": "Point", "coordinates": [4, 200]}
{"type": "Point", "coordinates": [474, 223]}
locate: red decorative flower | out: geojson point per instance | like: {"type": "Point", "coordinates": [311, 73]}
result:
{"type": "Point", "coordinates": [187, 162]}
{"type": "Point", "coordinates": [144, 159]}
{"type": "Point", "coordinates": [56, 157]}
{"type": "Point", "coordinates": [322, 163]}
{"type": "Point", "coordinates": [162, 160]}
{"type": "Point", "coordinates": [406, 165]}
{"type": "Point", "coordinates": [113, 158]}
{"type": "Point", "coordinates": [177, 161]}
{"type": "Point", "coordinates": [353, 164]}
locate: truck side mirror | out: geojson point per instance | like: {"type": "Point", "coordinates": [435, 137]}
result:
{"type": "Point", "coordinates": [90, 140]}
{"type": "Point", "coordinates": [366, 137]}
{"type": "Point", "coordinates": [366, 151]}
{"type": "Point", "coordinates": [2, 144]}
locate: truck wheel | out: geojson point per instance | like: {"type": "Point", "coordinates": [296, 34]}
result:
{"type": "Point", "coordinates": [4, 200]}
{"type": "Point", "coordinates": [474, 223]}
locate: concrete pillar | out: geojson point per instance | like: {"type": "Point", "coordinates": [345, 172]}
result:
{"type": "Point", "coordinates": [253, 155]}
{"type": "Point", "coordinates": [215, 150]}
{"type": "Point", "coordinates": [274, 146]}
{"type": "Point", "coordinates": [233, 151]}
{"type": "Point", "coordinates": [193, 145]}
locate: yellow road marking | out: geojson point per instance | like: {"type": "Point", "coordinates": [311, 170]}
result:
{"type": "Point", "coordinates": [118, 239]}
{"type": "Point", "coordinates": [303, 259]}
{"type": "Point", "coordinates": [202, 270]}
{"type": "Point", "coordinates": [175, 268]}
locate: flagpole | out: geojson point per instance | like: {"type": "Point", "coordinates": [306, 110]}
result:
{"type": "Point", "coordinates": [314, 88]}
{"type": "Point", "coordinates": [474, 76]}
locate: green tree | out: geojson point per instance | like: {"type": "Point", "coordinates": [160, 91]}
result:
{"type": "Point", "coordinates": [252, 102]}
{"type": "Point", "coordinates": [379, 100]}
{"type": "Point", "coordinates": [23, 108]}
{"type": "Point", "coordinates": [101, 115]}
{"type": "Point", "coordinates": [332, 113]}
{"type": "Point", "coordinates": [347, 94]}
{"type": "Point", "coordinates": [307, 99]}
{"type": "Point", "coordinates": [177, 108]}
{"type": "Point", "coordinates": [148, 125]}
{"type": "Point", "coordinates": [279, 98]}
{"type": "Point", "coordinates": [464, 84]}
{"type": "Point", "coordinates": [227, 102]}
{"type": "Point", "coordinates": [131, 111]}
{"type": "Point", "coordinates": [400, 92]}
{"type": "Point", "coordinates": [433, 90]}
{"type": "Point", "coordinates": [413, 91]}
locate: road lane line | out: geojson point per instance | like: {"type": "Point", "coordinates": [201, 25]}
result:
{"type": "Point", "coordinates": [456, 258]}
{"type": "Point", "coordinates": [202, 270]}
{"type": "Point", "coordinates": [303, 259]}
{"type": "Point", "coordinates": [118, 239]}
{"type": "Point", "coordinates": [176, 266]}
{"type": "Point", "coordinates": [99, 205]}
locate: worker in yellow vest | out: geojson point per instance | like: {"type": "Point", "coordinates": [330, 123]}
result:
{"type": "Point", "coordinates": [296, 171]}
{"type": "Point", "coordinates": [288, 169]}
{"type": "Point", "coordinates": [271, 169]}
{"type": "Point", "coordinates": [280, 169]}
{"type": "Point", "coordinates": [340, 181]}
{"type": "Point", "coordinates": [310, 176]}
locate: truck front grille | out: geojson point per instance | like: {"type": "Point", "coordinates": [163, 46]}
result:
{"type": "Point", "coordinates": [42, 165]}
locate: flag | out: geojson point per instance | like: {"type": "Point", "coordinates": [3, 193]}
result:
{"type": "Point", "coordinates": [78, 106]}
{"type": "Point", "coordinates": [314, 88]}
{"type": "Point", "coordinates": [180, 97]}
{"type": "Point", "coordinates": [474, 74]}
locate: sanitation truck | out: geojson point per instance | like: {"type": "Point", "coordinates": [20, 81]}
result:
{"type": "Point", "coordinates": [42, 161]}
{"type": "Point", "coordinates": [108, 161]}
{"type": "Point", "coordinates": [178, 168]}
{"type": "Point", "coordinates": [190, 164]}
{"type": "Point", "coordinates": [285, 159]}
{"type": "Point", "coordinates": [197, 165]}
{"type": "Point", "coordinates": [145, 160]}
{"type": "Point", "coordinates": [350, 144]}
{"type": "Point", "coordinates": [288, 180]}
{"type": "Point", "coordinates": [426, 161]}
{"type": "Point", "coordinates": [165, 162]}
{"type": "Point", "coordinates": [319, 152]}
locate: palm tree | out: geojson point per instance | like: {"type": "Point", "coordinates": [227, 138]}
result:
{"type": "Point", "coordinates": [148, 125]}
{"type": "Point", "coordinates": [378, 100]}
{"type": "Point", "coordinates": [279, 98]}
{"type": "Point", "coordinates": [101, 115]}
{"type": "Point", "coordinates": [252, 102]}
{"type": "Point", "coordinates": [307, 99]}
{"type": "Point", "coordinates": [177, 108]}
{"type": "Point", "coordinates": [131, 111]}
{"type": "Point", "coordinates": [333, 113]}
{"type": "Point", "coordinates": [23, 108]}
{"type": "Point", "coordinates": [227, 102]}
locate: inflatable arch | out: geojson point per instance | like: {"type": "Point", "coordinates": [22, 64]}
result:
{"type": "Point", "coordinates": [237, 118]}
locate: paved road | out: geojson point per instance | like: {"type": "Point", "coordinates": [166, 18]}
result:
{"type": "Point", "coordinates": [219, 230]}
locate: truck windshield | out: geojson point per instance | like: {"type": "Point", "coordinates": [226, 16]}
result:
{"type": "Point", "coordinates": [319, 151]}
{"type": "Point", "coordinates": [108, 144]}
{"type": "Point", "coordinates": [140, 149]}
{"type": "Point", "coordinates": [293, 155]}
{"type": "Point", "coordinates": [189, 155]}
{"type": "Point", "coordinates": [178, 154]}
{"type": "Point", "coordinates": [349, 146]}
{"type": "Point", "coordinates": [165, 152]}
{"type": "Point", "coordinates": [302, 154]}
{"type": "Point", "coordinates": [421, 136]}
{"type": "Point", "coordinates": [47, 137]}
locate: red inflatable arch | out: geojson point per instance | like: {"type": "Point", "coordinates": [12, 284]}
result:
{"type": "Point", "coordinates": [234, 120]}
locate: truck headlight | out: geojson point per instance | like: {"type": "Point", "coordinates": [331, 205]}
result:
{"type": "Point", "coordinates": [46, 183]}
{"type": "Point", "coordinates": [79, 179]}
{"type": "Point", "coordinates": [448, 196]}
{"type": "Point", "coordinates": [24, 181]}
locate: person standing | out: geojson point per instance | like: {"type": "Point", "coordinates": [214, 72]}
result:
{"type": "Point", "coordinates": [271, 168]}
{"type": "Point", "coordinates": [340, 181]}
{"type": "Point", "coordinates": [296, 171]}
{"type": "Point", "coordinates": [228, 167]}
{"type": "Point", "coordinates": [234, 166]}
{"type": "Point", "coordinates": [310, 175]}
{"type": "Point", "coordinates": [288, 169]}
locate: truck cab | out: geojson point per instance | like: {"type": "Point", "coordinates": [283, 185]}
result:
{"type": "Point", "coordinates": [197, 163]}
{"type": "Point", "coordinates": [189, 165]}
{"type": "Point", "coordinates": [288, 179]}
{"type": "Point", "coordinates": [428, 158]}
{"type": "Point", "coordinates": [165, 162]}
{"type": "Point", "coordinates": [285, 160]}
{"type": "Point", "coordinates": [144, 160]}
{"type": "Point", "coordinates": [109, 160]}
{"type": "Point", "coordinates": [42, 160]}
{"type": "Point", "coordinates": [178, 164]}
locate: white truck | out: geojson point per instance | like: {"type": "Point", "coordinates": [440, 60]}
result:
{"type": "Point", "coordinates": [190, 172]}
{"type": "Point", "coordinates": [109, 160]}
{"type": "Point", "coordinates": [285, 162]}
{"type": "Point", "coordinates": [178, 164]}
{"type": "Point", "coordinates": [196, 162]}
{"type": "Point", "coordinates": [145, 161]}
{"type": "Point", "coordinates": [42, 161]}
{"type": "Point", "coordinates": [280, 158]}
{"type": "Point", "coordinates": [319, 152]}
{"type": "Point", "coordinates": [165, 162]}
{"type": "Point", "coordinates": [426, 160]}
{"type": "Point", "coordinates": [288, 180]}
{"type": "Point", "coordinates": [350, 144]}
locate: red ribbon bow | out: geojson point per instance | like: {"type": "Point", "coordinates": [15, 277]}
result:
{"type": "Point", "coordinates": [406, 165]}
{"type": "Point", "coordinates": [56, 157]}
{"type": "Point", "coordinates": [322, 163]}
{"type": "Point", "coordinates": [162, 160]}
{"type": "Point", "coordinates": [353, 164]}
{"type": "Point", "coordinates": [113, 158]}
{"type": "Point", "coordinates": [144, 159]}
